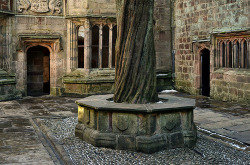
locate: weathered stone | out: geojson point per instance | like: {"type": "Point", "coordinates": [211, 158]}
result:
{"type": "Point", "coordinates": [176, 140]}
{"type": "Point", "coordinates": [139, 127]}
{"type": "Point", "coordinates": [103, 121]}
{"type": "Point", "coordinates": [124, 122]}
{"type": "Point", "coordinates": [170, 122]}
{"type": "Point", "coordinates": [198, 26]}
{"type": "Point", "coordinates": [151, 144]}
{"type": "Point", "coordinates": [126, 142]}
{"type": "Point", "coordinates": [8, 86]}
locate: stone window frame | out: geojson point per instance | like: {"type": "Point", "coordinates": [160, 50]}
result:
{"type": "Point", "coordinates": [88, 43]}
{"type": "Point", "coordinates": [51, 42]}
{"type": "Point", "coordinates": [197, 48]}
{"type": "Point", "coordinates": [232, 51]}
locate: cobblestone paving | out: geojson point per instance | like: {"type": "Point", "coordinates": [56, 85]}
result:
{"type": "Point", "coordinates": [206, 151]}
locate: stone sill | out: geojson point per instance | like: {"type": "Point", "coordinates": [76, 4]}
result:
{"type": "Point", "coordinates": [86, 80]}
{"type": "Point", "coordinates": [87, 15]}
{"type": "Point", "coordinates": [101, 103]}
{"type": "Point", "coordinates": [233, 71]}
{"type": "Point", "coordinates": [79, 76]}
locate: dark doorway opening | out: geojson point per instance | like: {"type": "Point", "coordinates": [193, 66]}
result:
{"type": "Point", "coordinates": [38, 71]}
{"type": "Point", "coordinates": [205, 72]}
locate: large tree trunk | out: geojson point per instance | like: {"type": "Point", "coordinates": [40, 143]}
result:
{"type": "Point", "coordinates": [135, 79]}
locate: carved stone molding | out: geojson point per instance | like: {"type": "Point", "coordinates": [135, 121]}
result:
{"type": "Point", "coordinates": [40, 6]}
{"type": "Point", "coordinates": [23, 5]}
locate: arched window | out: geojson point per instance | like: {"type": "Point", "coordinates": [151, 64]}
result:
{"type": "Point", "coordinates": [81, 47]}
{"type": "Point", "coordinates": [223, 55]}
{"type": "Point", "coordinates": [95, 46]}
{"type": "Point", "coordinates": [232, 52]}
{"type": "Point", "coordinates": [113, 45]}
{"type": "Point", "coordinates": [244, 54]}
{"type": "Point", "coordinates": [105, 47]}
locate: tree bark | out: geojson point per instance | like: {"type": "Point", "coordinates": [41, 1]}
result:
{"type": "Point", "coordinates": [135, 78]}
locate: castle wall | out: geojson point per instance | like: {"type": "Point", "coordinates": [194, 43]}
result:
{"type": "Point", "coordinates": [54, 24]}
{"type": "Point", "coordinates": [198, 24]}
{"type": "Point", "coordinates": [49, 32]}
{"type": "Point", "coordinates": [91, 8]}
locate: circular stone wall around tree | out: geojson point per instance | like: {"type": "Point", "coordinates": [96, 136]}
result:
{"type": "Point", "coordinates": [138, 127]}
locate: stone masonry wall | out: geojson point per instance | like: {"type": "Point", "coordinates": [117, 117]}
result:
{"type": "Point", "coordinates": [91, 7]}
{"type": "Point", "coordinates": [2, 40]}
{"type": "Point", "coordinates": [163, 40]}
{"type": "Point", "coordinates": [42, 30]}
{"type": "Point", "coordinates": [196, 22]}
{"type": "Point", "coordinates": [5, 44]}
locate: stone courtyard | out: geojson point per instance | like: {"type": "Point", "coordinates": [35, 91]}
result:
{"type": "Point", "coordinates": [40, 130]}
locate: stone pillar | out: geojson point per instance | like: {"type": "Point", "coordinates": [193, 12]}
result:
{"type": "Point", "coordinates": [100, 46]}
{"type": "Point", "coordinates": [221, 54]}
{"type": "Point", "coordinates": [72, 56]}
{"type": "Point", "coordinates": [218, 55]}
{"type": "Point", "coordinates": [110, 45]}
{"type": "Point", "coordinates": [248, 53]}
{"type": "Point", "coordinates": [227, 55]}
{"type": "Point", "coordinates": [233, 55]}
{"type": "Point", "coordinates": [87, 46]}
{"type": "Point", "coordinates": [21, 74]}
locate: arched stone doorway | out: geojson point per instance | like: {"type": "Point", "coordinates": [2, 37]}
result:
{"type": "Point", "coordinates": [38, 71]}
{"type": "Point", "coordinates": [205, 72]}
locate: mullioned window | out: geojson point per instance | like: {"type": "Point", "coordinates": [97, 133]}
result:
{"type": "Point", "coordinates": [233, 52]}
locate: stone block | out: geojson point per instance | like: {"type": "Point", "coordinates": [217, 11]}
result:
{"type": "Point", "coordinates": [102, 121]}
{"type": "Point", "coordinates": [95, 88]}
{"type": "Point", "coordinates": [92, 119]}
{"type": "Point", "coordinates": [125, 142]}
{"type": "Point", "coordinates": [79, 130]}
{"type": "Point", "coordinates": [152, 124]}
{"type": "Point", "coordinates": [80, 114]}
{"type": "Point", "coordinates": [151, 144]}
{"type": "Point", "coordinates": [186, 120]}
{"type": "Point", "coordinates": [190, 137]}
{"type": "Point", "coordinates": [107, 87]}
{"type": "Point", "coordinates": [170, 122]}
{"type": "Point", "coordinates": [142, 123]}
{"type": "Point", "coordinates": [176, 140]}
{"type": "Point", "coordinates": [105, 140]}
{"type": "Point", "coordinates": [124, 123]}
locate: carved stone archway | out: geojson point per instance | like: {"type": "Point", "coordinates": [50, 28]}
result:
{"type": "Point", "coordinates": [52, 43]}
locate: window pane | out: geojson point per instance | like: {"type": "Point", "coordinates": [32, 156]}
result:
{"type": "Point", "coordinates": [95, 46]}
{"type": "Point", "coordinates": [113, 45]}
{"type": "Point", "coordinates": [81, 47]}
{"type": "Point", "coordinates": [105, 48]}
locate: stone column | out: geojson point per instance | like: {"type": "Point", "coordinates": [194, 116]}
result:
{"type": "Point", "coordinates": [221, 54]}
{"type": "Point", "coordinates": [248, 54]}
{"type": "Point", "coordinates": [217, 55]}
{"type": "Point", "coordinates": [100, 46]}
{"type": "Point", "coordinates": [72, 56]}
{"type": "Point", "coordinates": [110, 45]}
{"type": "Point", "coordinates": [21, 73]}
{"type": "Point", "coordinates": [87, 46]}
{"type": "Point", "coordinates": [227, 55]}
{"type": "Point", "coordinates": [233, 55]}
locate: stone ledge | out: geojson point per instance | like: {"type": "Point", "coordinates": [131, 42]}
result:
{"type": "Point", "coordinates": [101, 103]}
{"type": "Point", "coordinates": [138, 127]}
